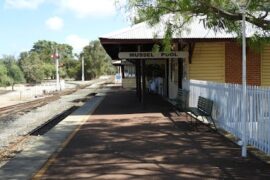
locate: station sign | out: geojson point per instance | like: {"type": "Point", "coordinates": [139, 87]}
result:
{"type": "Point", "coordinates": [153, 55]}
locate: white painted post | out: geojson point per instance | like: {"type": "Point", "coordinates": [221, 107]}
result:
{"type": "Point", "coordinates": [243, 5]}
{"type": "Point", "coordinates": [244, 82]}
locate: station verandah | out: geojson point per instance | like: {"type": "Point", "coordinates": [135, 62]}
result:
{"type": "Point", "coordinates": [168, 71]}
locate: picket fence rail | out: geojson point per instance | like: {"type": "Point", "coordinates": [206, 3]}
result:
{"type": "Point", "coordinates": [227, 109]}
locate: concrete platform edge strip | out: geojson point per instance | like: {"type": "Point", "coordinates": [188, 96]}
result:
{"type": "Point", "coordinates": [26, 164]}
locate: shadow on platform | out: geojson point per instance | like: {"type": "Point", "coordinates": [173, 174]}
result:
{"type": "Point", "coordinates": [126, 102]}
{"type": "Point", "coordinates": [124, 139]}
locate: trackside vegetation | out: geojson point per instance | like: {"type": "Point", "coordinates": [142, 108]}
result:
{"type": "Point", "coordinates": [37, 65]}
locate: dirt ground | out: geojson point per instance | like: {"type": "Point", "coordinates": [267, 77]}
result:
{"type": "Point", "coordinates": [127, 140]}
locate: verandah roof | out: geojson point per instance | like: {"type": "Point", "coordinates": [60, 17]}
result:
{"type": "Point", "coordinates": [143, 33]}
{"type": "Point", "coordinates": [194, 30]}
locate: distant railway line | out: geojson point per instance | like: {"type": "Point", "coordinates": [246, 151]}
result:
{"type": "Point", "coordinates": [14, 146]}
{"type": "Point", "coordinates": [22, 107]}
{"type": "Point", "coordinates": [27, 106]}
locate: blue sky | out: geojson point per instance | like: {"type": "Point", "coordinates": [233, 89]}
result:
{"type": "Point", "coordinates": [75, 22]}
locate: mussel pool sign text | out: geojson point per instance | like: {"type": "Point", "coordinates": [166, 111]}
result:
{"type": "Point", "coordinates": [152, 55]}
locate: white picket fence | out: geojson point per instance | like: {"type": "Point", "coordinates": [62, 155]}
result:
{"type": "Point", "coordinates": [227, 109]}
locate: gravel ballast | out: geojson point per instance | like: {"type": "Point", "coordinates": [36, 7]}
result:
{"type": "Point", "coordinates": [15, 126]}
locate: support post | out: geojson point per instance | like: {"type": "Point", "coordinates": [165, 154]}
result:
{"type": "Point", "coordinates": [180, 73]}
{"type": "Point", "coordinates": [168, 77]}
{"type": "Point", "coordinates": [143, 80]}
{"type": "Point", "coordinates": [244, 83]}
{"type": "Point", "coordinates": [180, 70]}
{"type": "Point", "coordinates": [139, 81]}
{"type": "Point", "coordinates": [140, 76]}
{"type": "Point", "coordinates": [123, 71]}
{"type": "Point", "coordinates": [137, 75]}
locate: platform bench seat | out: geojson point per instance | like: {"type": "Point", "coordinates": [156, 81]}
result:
{"type": "Point", "coordinates": [203, 112]}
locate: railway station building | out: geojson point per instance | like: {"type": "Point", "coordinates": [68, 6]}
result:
{"type": "Point", "coordinates": [203, 54]}
{"type": "Point", "coordinates": [205, 62]}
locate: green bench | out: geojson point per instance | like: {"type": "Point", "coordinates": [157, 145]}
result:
{"type": "Point", "coordinates": [203, 111]}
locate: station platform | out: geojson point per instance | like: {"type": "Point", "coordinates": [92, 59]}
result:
{"type": "Point", "coordinates": [124, 139]}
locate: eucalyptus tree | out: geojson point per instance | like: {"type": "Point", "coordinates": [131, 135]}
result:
{"type": "Point", "coordinates": [97, 62]}
{"type": "Point", "coordinates": [44, 50]}
{"type": "Point", "coordinates": [32, 67]}
{"type": "Point", "coordinates": [216, 14]}
{"type": "Point", "coordinates": [4, 79]}
{"type": "Point", "coordinates": [13, 73]}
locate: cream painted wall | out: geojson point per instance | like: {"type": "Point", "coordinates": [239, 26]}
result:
{"type": "Point", "coordinates": [208, 62]}
{"type": "Point", "coordinates": [265, 66]}
{"type": "Point", "coordinates": [129, 83]}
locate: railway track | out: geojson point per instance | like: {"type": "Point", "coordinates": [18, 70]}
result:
{"type": "Point", "coordinates": [17, 145]}
{"type": "Point", "coordinates": [22, 107]}
{"type": "Point", "coordinates": [27, 106]}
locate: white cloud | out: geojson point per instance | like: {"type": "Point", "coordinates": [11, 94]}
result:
{"type": "Point", "coordinates": [23, 4]}
{"type": "Point", "coordinates": [55, 23]}
{"type": "Point", "coordinates": [77, 42]}
{"type": "Point", "coordinates": [86, 8]}
{"type": "Point", "coordinates": [81, 8]}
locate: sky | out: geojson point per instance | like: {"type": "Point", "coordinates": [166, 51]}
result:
{"type": "Point", "coordinates": [75, 22]}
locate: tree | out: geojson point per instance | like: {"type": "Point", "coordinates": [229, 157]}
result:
{"type": "Point", "coordinates": [70, 67]}
{"type": "Point", "coordinates": [46, 48]}
{"type": "Point", "coordinates": [49, 70]}
{"type": "Point", "coordinates": [11, 72]}
{"type": "Point", "coordinates": [4, 79]}
{"type": "Point", "coordinates": [14, 73]}
{"type": "Point", "coordinates": [216, 14]}
{"type": "Point", "coordinates": [97, 62]}
{"type": "Point", "coordinates": [32, 67]}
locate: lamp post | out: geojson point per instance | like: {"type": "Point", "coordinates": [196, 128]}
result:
{"type": "Point", "coordinates": [243, 5]}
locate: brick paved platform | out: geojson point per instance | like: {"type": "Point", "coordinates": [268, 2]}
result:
{"type": "Point", "coordinates": [126, 140]}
